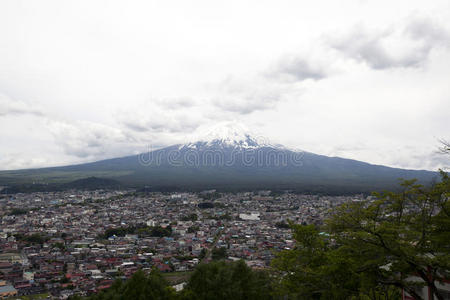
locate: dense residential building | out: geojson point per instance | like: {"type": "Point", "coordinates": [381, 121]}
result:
{"type": "Point", "coordinates": [80, 241]}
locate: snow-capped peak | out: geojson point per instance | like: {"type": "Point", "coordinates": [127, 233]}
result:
{"type": "Point", "coordinates": [228, 134]}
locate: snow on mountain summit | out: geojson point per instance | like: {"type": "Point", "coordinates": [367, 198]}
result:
{"type": "Point", "coordinates": [227, 131]}
{"type": "Point", "coordinates": [229, 134]}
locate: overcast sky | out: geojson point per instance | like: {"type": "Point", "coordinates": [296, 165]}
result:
{"type": "Point", "coordinates": [87, 80]}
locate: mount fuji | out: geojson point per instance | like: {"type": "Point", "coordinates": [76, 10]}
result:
{"type": "Point", "coordinates": [228, 157]}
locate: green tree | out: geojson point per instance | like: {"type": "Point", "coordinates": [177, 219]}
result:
{"type": "Point", "coordinates": [203, 253]}
{"type": "Point", "coordinates": [314, 269]}
{"type": "Point", "coordinates": [192, 217]}
{"type": "Point", "coordinates": [401, 234]}
{"type": "Point", "coordinates": [219, 253]}
{"type": "Point", "coordinates": [17, 212]}
{"type": "Point", "coordinates": [193, 229]}
{"type": "Point", "coordinates": [373, 247]}
{"type": "Point", "coordinates": [224, 280]}
{"type": "Point", "coordinates": [141, 287]}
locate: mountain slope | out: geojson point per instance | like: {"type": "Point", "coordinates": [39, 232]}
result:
{"type": "Point", "coordinates": [229, 159]}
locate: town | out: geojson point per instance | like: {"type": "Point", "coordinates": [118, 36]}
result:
{"type": "Point", "coordinates": [78, 242]}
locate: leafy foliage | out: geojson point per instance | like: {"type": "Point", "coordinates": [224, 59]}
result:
{"type": "Point", "coordinates": [34, 238]}
{"type": "Point", "coordinates": [282, 225]}
{"type": "Point", "coordinates": [373, 247]}
{"type": "Point", "coordinates": [140, 286]}
{"type": "Point", "coordinates": [223, 280]}
{"type": "Point", "coordinates": [192, 217]}
{"type": "Point", "coordinates": [17, 212]}
{"type": "Point", "coordinates": [203, 253]}
{"type": "Point", "coordinates": [142, 230]}
{"type": "Point", "coordinates": [219, 253]}
{"type": "Point", "coordinates": [216, 280]}
{"type": "Point", "coordinates": [193, 229]}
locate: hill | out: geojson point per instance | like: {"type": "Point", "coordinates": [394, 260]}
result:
{"type": "Point", "coordinates": [228, 159]}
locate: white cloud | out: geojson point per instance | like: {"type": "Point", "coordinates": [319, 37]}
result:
{"type": "Point", "coordinates": [392, 47]}
{"type": "Point", "coordinates": [244, 96]}
{"type": "Point", "coordinates": [88, 140]}
{"type": "Point", "coordinates": [299, 68]}
{"type": "Point", "coordinates": [168, 115]}
{"type": "Point", "coordinates": [9, 107]}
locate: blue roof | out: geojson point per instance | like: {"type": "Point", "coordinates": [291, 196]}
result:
{"type": "Point", "coordinates": [7, 289]}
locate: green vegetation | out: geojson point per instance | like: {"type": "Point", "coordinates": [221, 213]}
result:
{"type": "Point", "coordinates": [222, 280]}
{"type": "Point", "coordinates": [17, 212]}
{"type": "Point", "coordinates": [223, 217]}
{"type": "Point", "coordinates": [219, 253]}
{"type": "Point", "coordinates": [60, 246]}
{"type": "Point", "coordinates": [35, 238]}
{"type": "Point", "coordinates": [139, 286]}
{"type": "Point", "coordinates": [141, 230]}
{"type": "Point", "coordinates": [177, 277]}
{"type": "Point", "coordinates": [203, 253]}
{"type": "Point", "coordinates": [184, 257]}
{"type": "Point", "coordinates": [216, 280]}
{"type": "Point", "coordinates": [35, 297]}
{"type": "Point", "coordinates": [282, 225]}
{"type": "Point", "coordinates": [192, 217]}
{"type": "Point", "coordinates": [193, 229]}
{"type": "Point", "coordinates": [371, 248]}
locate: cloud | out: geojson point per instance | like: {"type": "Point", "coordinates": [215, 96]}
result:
{"type": "Point", "coordinates": [88, 140]}
{"type": "Point", "coordinates": [401, 156]}
{"type": "Point", "coordinates": [429, 31]}
{"type": "Point", "coordinates": [18, 160]}
{"type": "Point", "coordinates": [428, 160]}
{"type": "Point", "coordinates": [176, 102]}
{"type": "Point", "coordinates": [12, 107]}
{"type": "Point", "coordinates": [389, 48]}
{"type": "Point", "coordinates": [298, 68]}
{"type": "Point", "coordinates": [245, 96]}
{"type": "Point", "coordinates": [247, 103]}
{"type": "Point", "coordinates": [371, 48]}
{"type": "Point", "coordinates": [286, 77]}
{"type": "Point", "coordinates": [161, 122]}
{"type": "Point", "coordinates": [173, 116]}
